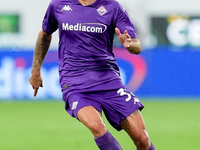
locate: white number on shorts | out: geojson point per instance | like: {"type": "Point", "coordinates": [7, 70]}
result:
{"type": "Point", "coordinates": [122, 92]}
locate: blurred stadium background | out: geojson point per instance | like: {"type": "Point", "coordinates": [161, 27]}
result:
{"type": "Point", "coordinates": [165, 77]}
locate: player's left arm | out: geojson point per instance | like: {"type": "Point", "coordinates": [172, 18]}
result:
{"type": "Point", "coordinates": [133, 45]}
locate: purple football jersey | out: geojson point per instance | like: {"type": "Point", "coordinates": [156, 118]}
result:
{"type": "Point", "coordinates": [86, 35]}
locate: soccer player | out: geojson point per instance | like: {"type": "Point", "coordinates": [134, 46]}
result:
{"type": "Point", "coordinates": [89, 75]}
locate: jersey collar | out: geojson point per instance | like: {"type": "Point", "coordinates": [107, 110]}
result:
{"type": "Point", "coordinates": [95, 4]}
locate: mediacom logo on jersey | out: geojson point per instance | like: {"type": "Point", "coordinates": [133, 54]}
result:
{"type": "Point", "coordinates": [85, 27]}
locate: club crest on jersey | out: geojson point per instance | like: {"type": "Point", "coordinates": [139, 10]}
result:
{"type": "Point", "coordinates": [101, 10]}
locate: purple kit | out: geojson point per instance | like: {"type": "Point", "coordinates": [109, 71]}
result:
{"type": "Point", "coordinates": [86, 61]}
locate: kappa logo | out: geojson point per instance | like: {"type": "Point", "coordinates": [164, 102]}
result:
{"type": "Point", "coordinates": [101, 10]}
{"type": "Point", "coordinates": [66, 8]}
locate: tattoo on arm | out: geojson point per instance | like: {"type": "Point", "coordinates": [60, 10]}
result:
{"type": "Point", "coordinates": [41, 49]}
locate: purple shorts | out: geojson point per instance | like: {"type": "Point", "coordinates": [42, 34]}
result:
{"type": "Point", "coordinates": [116, 104]}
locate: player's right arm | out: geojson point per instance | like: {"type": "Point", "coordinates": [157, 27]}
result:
{"type": "Point", "coordinates": [41, 49]}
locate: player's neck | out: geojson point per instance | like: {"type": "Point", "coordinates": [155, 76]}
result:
{"type": "Point", "coordinates": [86, 2]}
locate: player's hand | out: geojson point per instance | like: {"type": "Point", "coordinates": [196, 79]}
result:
{"type": "Point", "coordinates": [124, 38]}
{"type": "Point", "coordinates": [132, 45]}
{"type": "Point", "coordinates": [36, 81]}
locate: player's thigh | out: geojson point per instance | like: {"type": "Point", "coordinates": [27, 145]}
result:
{"type": "Point", "coordinates": [134, 125]}
{"type": "Point", "coordinates": [92, 119]}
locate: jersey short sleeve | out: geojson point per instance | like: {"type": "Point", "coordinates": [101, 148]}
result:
{"type": "Point", "coordinates": [123, 22]}
{"type": "Point", "coordinates": [50, 23]}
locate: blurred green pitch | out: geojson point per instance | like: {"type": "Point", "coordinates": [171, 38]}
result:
{"type": "Point", "coordinates": [45, 125]}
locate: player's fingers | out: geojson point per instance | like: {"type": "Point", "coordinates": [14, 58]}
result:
{"type": "Point", "coordinates": [41, 85]}
{"type": "Point", "coordinates": [129, 40]}
{"type": "Point", "coordinates": [127, 45]}
{"type": "Point", "coordinates": [35, 91]}
{"type": "Point", "coordinates": [117, 31]}
{"type": "Point", "coordinates": [127, 35]}
{"type": "Point", "coordinates": [125, 32]}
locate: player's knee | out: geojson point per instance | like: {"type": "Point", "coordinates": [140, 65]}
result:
{"type": "Point", "coordinates": [143, 142]}
{"type": "Point", "coordinates": [97, 128]}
